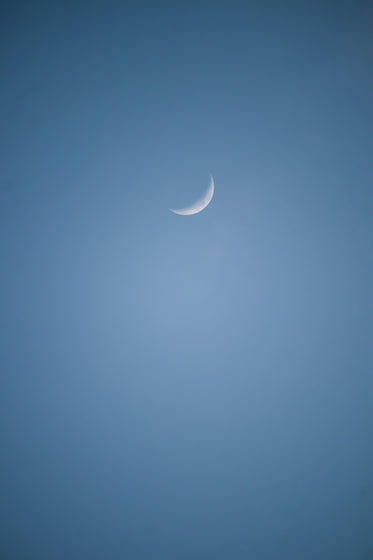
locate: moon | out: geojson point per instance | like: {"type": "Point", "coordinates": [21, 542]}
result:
{"type": "Point", "coordinates": [200, 204]}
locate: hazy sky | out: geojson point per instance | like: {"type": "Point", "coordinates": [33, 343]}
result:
{"type": "Point", "coordinates": [186, 387]}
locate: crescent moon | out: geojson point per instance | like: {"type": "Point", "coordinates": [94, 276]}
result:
{"type": "Point", "coordinates": [200, 204]}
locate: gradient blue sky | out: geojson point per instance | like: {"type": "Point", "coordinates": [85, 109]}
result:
{"type": "Point", "coordinates": [186, 387]}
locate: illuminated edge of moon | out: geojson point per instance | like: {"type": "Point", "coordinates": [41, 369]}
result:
{"type": "Point", "coordinates": [200, 204]}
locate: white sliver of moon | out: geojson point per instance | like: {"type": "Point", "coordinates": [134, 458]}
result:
{"type": "Point", "coordinates": [200, 204]}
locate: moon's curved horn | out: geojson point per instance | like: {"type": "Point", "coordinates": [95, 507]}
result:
{"type": "Point", "coordinates": [200, 204]}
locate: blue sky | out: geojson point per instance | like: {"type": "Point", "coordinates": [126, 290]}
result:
{"type": "Point", "coordinates": [186, 387]}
